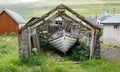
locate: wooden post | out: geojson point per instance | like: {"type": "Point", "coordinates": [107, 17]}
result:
{"type": "Point", "coordinates": [93, 43]}
{"type": "Point", "coordinates": [19, 41]}
{"type": "Point", "coordinates": [29, 41]}
{"type": "Point", "coordinates": [38, 42]}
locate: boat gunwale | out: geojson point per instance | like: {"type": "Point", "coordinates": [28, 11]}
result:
{"type": "Point", "coordinates": [62, 36]}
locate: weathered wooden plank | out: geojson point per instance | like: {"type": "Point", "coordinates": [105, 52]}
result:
{"type": "Point", "coordinates": [64, 15]}
{"type": "Point", "coordinates": [34, 41]}
{"type": "Point", "coordinates": [29, 40]}
{"type": "Point", "coordinates": [49, 19]}
{"type": "Point", "coordinates": [38, 42]}
{"type": "Point", "coordinates": [37, 24]}
{"type": "Point", "coordinates": [93, 43]}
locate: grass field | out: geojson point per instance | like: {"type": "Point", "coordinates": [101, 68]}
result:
{"type": "Point", "coordinates": [10, 61]}
{"type": "Point", "coordinates": [83, 7]}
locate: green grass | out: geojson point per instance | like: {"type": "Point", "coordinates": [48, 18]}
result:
{"type": "Point", "coordinates": [10, 61]}
{"type": "Point", "coordinates": [100, 66]}
{"type": "Point", "coordinates": [107, 46]}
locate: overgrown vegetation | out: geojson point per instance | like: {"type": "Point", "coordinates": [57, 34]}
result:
{"type": "Point", "coordinates": [44, 43]}
{"type": "Point", "coordinates": [79, 53]}
{"type": "Point", "coordinates": [10, 61]}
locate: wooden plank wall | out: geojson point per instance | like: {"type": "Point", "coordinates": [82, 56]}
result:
{"type": "Point", "coordinates": [7, 24]}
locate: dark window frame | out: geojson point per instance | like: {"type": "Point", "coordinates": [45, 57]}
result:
{"type": "Point", "coordinates": [115, 26]}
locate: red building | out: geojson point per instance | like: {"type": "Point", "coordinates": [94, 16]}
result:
{"type": "Point", "coordinates": [10, 21]}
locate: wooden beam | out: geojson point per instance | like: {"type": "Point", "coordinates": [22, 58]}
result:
{"type": "Point", "coordinates": [64, 15]}
{"type": "Point", "coordinates": [82, 18]}
{"type": "Point", "coordinates": [39, 19]}
{"type": "Point", "coordinates": [61, 6]}
{"type": "Point", "coordinates": [70, 18]}
{"type": "Point", "coordinates": [49, 20]}
{"type": "Point", "coordinates": [93, 43]}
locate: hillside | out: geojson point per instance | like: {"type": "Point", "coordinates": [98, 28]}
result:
{"type": "Point", "coordinates": [83, 7]}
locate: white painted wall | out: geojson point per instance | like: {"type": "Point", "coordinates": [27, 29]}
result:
{"type": "Point", "coordinates": [111, 35]}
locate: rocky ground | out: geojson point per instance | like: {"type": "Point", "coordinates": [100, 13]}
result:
{"type": "Point", "coordinates": [111, 54]}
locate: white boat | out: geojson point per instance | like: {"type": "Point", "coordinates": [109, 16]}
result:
{"type": "Point", "coordinates": [63, 43]}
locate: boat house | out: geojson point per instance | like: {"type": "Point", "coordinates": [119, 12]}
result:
{"type": "Point", "coordinates": [63, 30]}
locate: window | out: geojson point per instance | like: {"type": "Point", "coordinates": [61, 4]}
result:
{"type": "Point", "coordinates": [58, 22]}
{"type": "Point", "coordinates": [115, 26]}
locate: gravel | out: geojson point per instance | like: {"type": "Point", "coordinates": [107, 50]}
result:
{"type": "Point", "coordinates": [110, 54]}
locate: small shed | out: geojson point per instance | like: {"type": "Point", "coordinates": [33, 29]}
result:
{"type": "Point", "coordinates": [10, 21]}
{"type": "Point", "coordinates": [29, 35]}
{"type": "Point", "coordinates": [111, 30]}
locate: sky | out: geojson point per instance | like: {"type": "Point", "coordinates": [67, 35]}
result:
{"type": "Point", "coordinates": [25, 0]}
{"type": "Point", "coordinates": [2, 2]}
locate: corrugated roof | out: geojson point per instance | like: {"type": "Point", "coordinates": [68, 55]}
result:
{"type": "Point", "coordinates": [14, 15]}
{"type": "Point", "coordinates": [93, 20]}
{"type": "Point", "coordinates": [113, 19]}
{"type": "Point", "coordinates": [103, 17]}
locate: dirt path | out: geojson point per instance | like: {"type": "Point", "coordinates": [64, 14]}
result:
{"type": "Point", "coordinates": [111, 54]}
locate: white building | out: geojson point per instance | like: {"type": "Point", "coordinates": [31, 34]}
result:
{"type": "Point", "coordinates": [111, 30]}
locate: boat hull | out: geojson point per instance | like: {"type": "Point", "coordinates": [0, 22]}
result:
{"type": "Point", "coordinates": [63, 43]}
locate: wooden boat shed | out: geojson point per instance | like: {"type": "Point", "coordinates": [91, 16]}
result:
{"type": "Point", "coordinates": [33, 27]}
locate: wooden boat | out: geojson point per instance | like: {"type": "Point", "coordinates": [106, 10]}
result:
{"type": "Point", "coordinates": [63, 43]}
